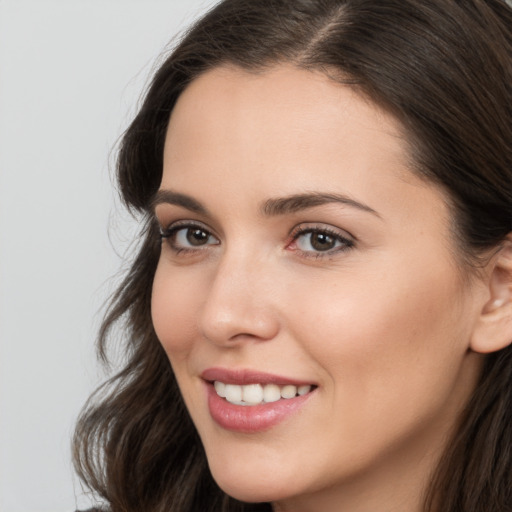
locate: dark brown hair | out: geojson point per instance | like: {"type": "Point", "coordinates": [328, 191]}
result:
{"type": "Point", "coordinates": [444, 69]}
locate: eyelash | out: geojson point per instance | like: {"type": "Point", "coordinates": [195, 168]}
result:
{"type": "Point", "coordinates": [345, 243]}
{"type": "Point", "coordinates": [169, 234]}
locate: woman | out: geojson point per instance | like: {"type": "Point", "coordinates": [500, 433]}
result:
{"type": "Point", "coordinates": [320, 314]}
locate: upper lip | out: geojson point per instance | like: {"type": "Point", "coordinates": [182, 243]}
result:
{"type": "Point", "coordinates": [244, 376]}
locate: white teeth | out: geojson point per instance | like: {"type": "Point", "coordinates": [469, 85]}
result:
{"type": "Point", "coordinates": [220, 387]}
{"type": "Point", "coordinates": [303, 390]}
{"type": "Point", "coordinates": [233, 393]}
{"type": "Point", "coordinates": [271, 393]}
{"type": "Point", "coordinates": [288, 391]}
{"type": "Point", "coordinates": [254, 394]}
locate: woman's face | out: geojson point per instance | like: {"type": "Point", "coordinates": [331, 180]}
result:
{"type": "Point", "coordinates": [305, 267]}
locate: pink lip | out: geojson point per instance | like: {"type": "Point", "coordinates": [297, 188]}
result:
{"type": "Point", "coordinates": [244, 376]}
{"type": "Point", "coordinates": [251, 418]}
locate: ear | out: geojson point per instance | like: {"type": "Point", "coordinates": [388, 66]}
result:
{"type": "Point", "coordinates": [493, 330]}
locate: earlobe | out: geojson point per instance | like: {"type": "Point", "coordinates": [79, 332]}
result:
{"type": "Point", "coordinates": [493, 330]}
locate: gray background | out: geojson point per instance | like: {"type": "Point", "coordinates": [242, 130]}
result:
{"type": "Point", "coordinates": [71, 72]}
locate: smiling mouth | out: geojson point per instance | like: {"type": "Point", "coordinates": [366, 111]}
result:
{"type": "Point", "coordinates": [250, 401]}
{"type": "Point", "coordinates": [258, 394]}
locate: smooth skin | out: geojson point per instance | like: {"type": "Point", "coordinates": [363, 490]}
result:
{"type": "Point", "coordinates": [364, 297]}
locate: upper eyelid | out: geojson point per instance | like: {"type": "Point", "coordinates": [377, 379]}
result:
{"type": "Point", "coordinates": [165, 214]}
{"type": "Point", "coordinates": [307, 227]}
{"type": "Point", "coordinates": [316, 200]}
{"type": "Point", "coordinates": [184, 223]}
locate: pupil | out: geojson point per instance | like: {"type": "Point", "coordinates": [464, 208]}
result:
{"type": "Point", "coordinates": [322, 242]}
{"type": "Point", "coordinates": [197, 236]}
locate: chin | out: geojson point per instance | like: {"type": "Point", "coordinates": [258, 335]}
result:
{"type": "Point", "coordinates": [252, 488]}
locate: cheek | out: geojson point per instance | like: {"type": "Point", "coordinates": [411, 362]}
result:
{"type": "Point", "coordinates": [391, 359]}
{"type": "Point", "coordinates": [173, 311]}
{"type": "Point", "coordinates": [386, 335]}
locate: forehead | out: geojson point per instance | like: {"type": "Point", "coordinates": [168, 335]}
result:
{"type": "Point", "coordinates": [285, 131]}
{"type": "Point", "coordinates": [281, 111]}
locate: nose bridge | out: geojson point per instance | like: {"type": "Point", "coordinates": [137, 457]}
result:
{"type": "Point", "coordinates": [238, 304]}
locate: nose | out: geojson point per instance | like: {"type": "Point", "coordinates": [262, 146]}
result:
{"type": "Point", "coordinates": [240, 304]}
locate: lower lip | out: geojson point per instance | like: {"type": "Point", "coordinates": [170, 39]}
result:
{"type": "Point", "coordinates": [252, 418]}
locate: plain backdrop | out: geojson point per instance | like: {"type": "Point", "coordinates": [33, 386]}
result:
{"type": "Point", "coordinates": [71, 74]}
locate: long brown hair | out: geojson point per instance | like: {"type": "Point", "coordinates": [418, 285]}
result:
{"type": "Point", "coordinates": [444, 69]}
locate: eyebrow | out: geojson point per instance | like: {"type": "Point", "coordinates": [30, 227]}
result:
{"type": "Point", "coordinates": [271, 207]}
{"type": "Point", "coordinates": [299, 202]}
{"type": "Point", "coordinates": [171, 197]}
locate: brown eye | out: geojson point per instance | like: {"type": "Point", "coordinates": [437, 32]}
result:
{"type": "Point", "coordinates": [188, 237]}
{"type": "Point", "coordinates": [315, 241]}
{"type": "Point", "coordinates": [197, 237]}
{"type": "Point", "coordinates": [322, 241]}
